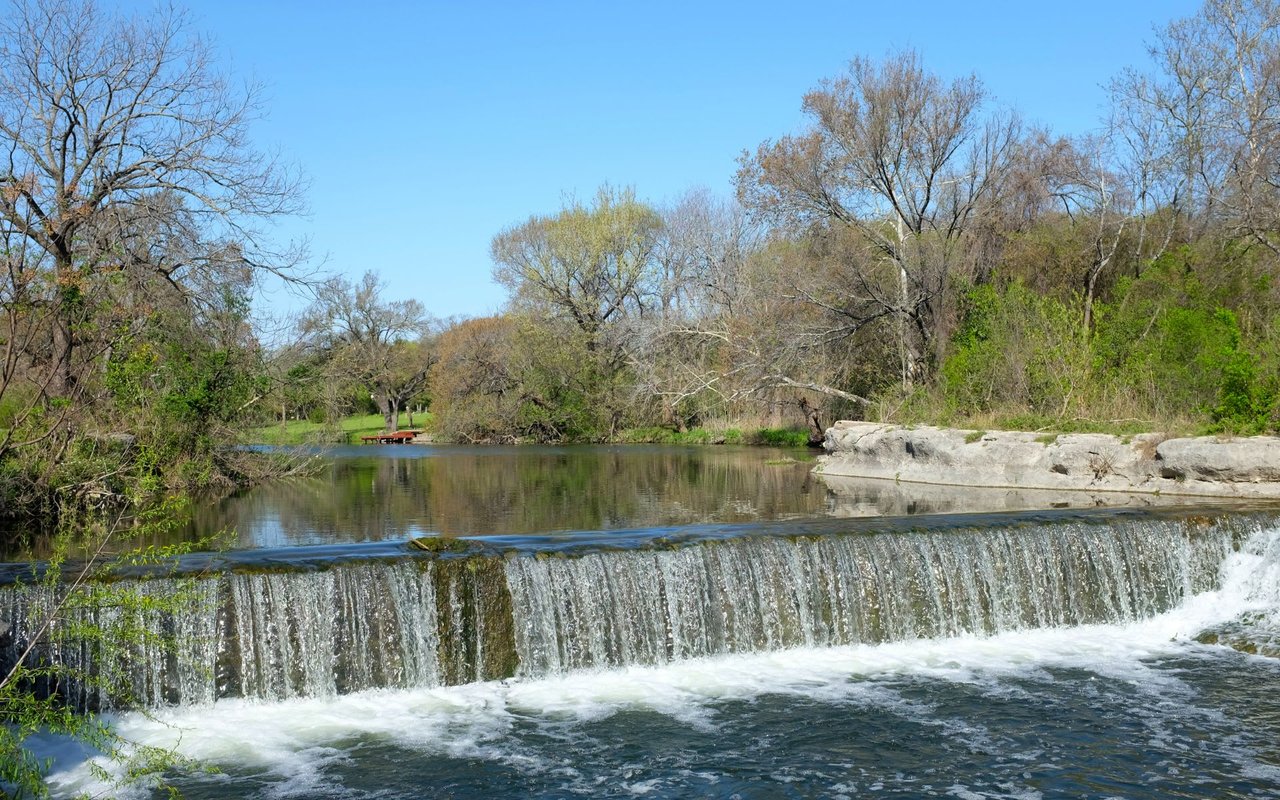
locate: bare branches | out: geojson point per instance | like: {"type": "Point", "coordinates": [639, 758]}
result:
{"type": "Point", "coordinates": [127, 150]}
{"type": "Point", "coordinates": [1217, 92]}
{"type": "Point", "coordinates": [783, 380]}
{"type": "Point", "coordinates": [361, 338]}
{"type": "Point", "coordinates": [904, 160]}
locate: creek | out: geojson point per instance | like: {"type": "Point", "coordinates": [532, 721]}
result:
{"type": "Point", "coordinates": [675, 622]}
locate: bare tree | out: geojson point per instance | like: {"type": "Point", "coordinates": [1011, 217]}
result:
{"type": "Point", "coordinates": [1105, 188]}
{"type": "Point", "coordinates": [373, 342]}
{"type": "Point", "coordinates": [675, 352]}
{"type": "Point", "coordinates": [759, 337]}
{"type": "Point", "coordinates": [904, 160]}
{"type": "Point", "coordinates": [1147, 159]}
{"type": "Point", "coordinates": [123, 149]}
{"type": "Point", "coordinates": [705, 242]}
{"type": "Point", "coordinates": [1218, 85]}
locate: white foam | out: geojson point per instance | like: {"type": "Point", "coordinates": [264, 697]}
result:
{"type": "Point", "coordinates": [294, 741]}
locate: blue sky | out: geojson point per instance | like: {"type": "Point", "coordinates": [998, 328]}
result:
{"type": "Point", "coordinates": [425, 128]}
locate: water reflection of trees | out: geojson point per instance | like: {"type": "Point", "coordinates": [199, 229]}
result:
{"type": "Point", "coordinates": [476, 491]}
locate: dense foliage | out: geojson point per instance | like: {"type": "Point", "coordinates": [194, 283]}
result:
{"type": "Point", "coordinates": [917, 254]}
{"type": "Point", "coordinates": [129, 247]}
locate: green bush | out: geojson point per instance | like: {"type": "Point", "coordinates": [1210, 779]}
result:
{"type": "Point", "coordinates": [1171, 343]}
{"type": "Point", "coordinates": [1245, 403]}
{"type": "Point", "coordinates": [781, 437]}
{"type": "Point", "coordinates": [1014, 348]}
{"type": "Point", "coordinates": [1179, 345]}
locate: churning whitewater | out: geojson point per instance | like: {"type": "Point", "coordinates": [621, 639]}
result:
{"type": "Point", "coordinates": [1035, 661]}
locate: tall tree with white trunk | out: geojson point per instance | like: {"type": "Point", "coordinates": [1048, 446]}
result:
{"type": "Point", "coordinates": [907, 161]}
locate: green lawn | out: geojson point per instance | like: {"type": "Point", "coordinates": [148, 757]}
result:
{"type": "Point", "coordinates": [348, 430]}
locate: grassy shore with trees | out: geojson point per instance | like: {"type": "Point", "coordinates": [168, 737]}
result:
{"type": "Point", "coordinates": [916, 253]}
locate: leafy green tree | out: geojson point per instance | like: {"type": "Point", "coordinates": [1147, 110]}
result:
{"type": "Point", "coordinates": [582, 275]}
{"type": "Point", "coordinates": [592, 265]}
{"type": "Point", "coordinates": [131, 206]}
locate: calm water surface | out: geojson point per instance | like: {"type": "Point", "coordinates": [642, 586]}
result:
{"type": "Point", "coordinates": [396, 492]}
{"type": "Point", "coordinates": [392, 493]}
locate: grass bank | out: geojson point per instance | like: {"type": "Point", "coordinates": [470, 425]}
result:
{"type": "Point", "coordinates": [770, 437]}
{"type": "Point", "coordinates": [928, 408]}
{"type": "Point", "coordinates": [347, 430]}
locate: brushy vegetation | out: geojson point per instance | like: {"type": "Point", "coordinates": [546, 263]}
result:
{"type": "Point", "coordinates": [770, 437]}
{"type": "Point", "coordinates": [781, 437]}
{"type": "Point", "coordinates": [1173, 349]}
{"type": "Point", "coordinates": [42, 692]}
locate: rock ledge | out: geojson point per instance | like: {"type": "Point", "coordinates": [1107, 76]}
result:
{"type": "Point", "coordinates": [1204, 466]}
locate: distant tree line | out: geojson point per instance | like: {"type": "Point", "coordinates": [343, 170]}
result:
{"type": "Point", "coordinates": [916, 253]}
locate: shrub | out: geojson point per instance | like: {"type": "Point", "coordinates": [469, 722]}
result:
{"type": "Point", "coordinates": [781, 437]}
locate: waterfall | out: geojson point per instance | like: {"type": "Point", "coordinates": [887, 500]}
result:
{"type": "Point", "coordinates": [439, 620]}
{"type": "Point", "coordinates": [274, 636]}
{"type": "Point", "coordinates": [613, 609]}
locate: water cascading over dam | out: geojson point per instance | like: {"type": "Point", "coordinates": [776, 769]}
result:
{"type": "Point", "coordinates": [452, 618]}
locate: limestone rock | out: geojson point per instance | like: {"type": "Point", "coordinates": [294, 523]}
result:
{"type": "Point", "coordinates": [1150, 463]}
{"type": "Point", "coordinates": [1254, 459]}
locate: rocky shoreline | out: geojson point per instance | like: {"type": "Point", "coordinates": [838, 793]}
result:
{"type": "Point", "coordinates": [1203, 466]}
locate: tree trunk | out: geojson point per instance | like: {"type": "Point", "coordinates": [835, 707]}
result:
{"type": "Point", "coordinates": [909, 353]}
{"type": "Point", "coordinates": [1090, 290]}
{"type": "Point", "coordinates": [386, 406]}
{"type": "Point", "coordinates": [61, 375]}
{"type": "Point", "coordinates": [60, 378]}
{"type": "Point", "coordinates": [811, 416]}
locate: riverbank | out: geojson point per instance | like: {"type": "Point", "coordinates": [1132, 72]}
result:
{"type": "Point", "coordinates": [349, 430]}
{"type": "Point", "coordinates": [1151, 463]}
{"type": "Point", "coordinates": [764, 437]}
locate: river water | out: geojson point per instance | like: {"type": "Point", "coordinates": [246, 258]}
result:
{"type": "Point", "coordinates": [711, 627]}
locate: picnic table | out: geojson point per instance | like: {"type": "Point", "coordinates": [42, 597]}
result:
{"type": "Point", "coordinates": [397, 437]}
